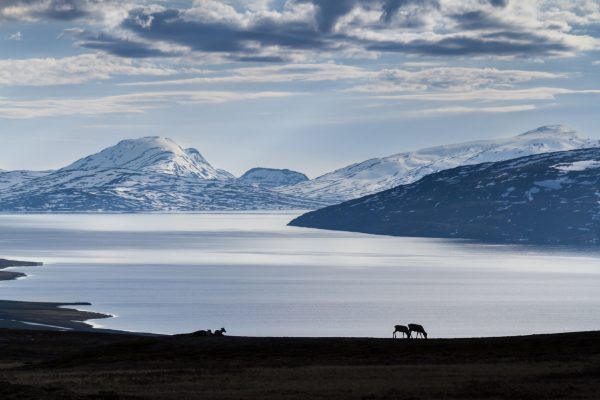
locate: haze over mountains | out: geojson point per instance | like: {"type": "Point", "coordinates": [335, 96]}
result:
{"type": "Point", "coordinates": [380, 174]}
{"type": "Point", "coordinates": [542, 199]}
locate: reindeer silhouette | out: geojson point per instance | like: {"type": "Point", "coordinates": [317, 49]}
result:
{"type": "Point", "coordinates": [219, 332]}
{"type": "Point", "coordinates": [402, 329]}
{"type": "Point", "coordinates": [418, 329]}
{"type": "Point", "coordinates": [207, 332]}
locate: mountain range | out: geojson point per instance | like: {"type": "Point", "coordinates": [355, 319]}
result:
{"type": "Point", "coordinates": [378, 174]}
{"type": "Point", "coordinates": [151, 174]}
{"type": "Point", "coordinates": [551, 198]}
{"type": "Point", "coordinates": [155, 174]}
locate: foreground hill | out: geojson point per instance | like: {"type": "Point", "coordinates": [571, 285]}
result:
{"type": "Point", "coordinates": [69, 365]}
{"type": "Point", "coordinates": [141, 175]}
{"type": "Point", "coordinates": [380, 174]}
{"type": "Point", "coordinates": [543, 199]}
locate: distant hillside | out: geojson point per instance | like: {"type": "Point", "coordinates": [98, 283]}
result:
{"type": "Point", "coordinates": [140, 175]}
{"type": "Point", "coordinates": [380, 174]}
{"type": "Point", "coordinates": [543, 199]}
{"type": "Point", "coordinates": [270, 178]}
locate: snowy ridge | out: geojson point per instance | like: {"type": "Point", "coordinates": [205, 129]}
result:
{"type": "Point", "coordinates": [380, 174]}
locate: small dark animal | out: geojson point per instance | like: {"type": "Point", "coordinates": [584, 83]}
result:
{"type": "Point", "coordinates": [205, 333]}
{"type": "Point", "coordinates": [402, 329]}
{"type": "Point", "coordinates": [418, 329]}
{"type": "Point", "coordinates": [219, 332]}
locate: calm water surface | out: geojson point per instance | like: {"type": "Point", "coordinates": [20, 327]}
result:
{"type": "Point", "coordinates": [256, 276]}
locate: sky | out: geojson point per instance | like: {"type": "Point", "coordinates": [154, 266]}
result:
{"type": "Point", "coordinates": [310, 85]}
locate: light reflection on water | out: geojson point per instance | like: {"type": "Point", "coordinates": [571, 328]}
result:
{"type": "Point", "coordinates": [255, 276]}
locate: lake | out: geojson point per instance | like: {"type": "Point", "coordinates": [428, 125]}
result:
{"type": "Point", "coordinates": [249, 272]}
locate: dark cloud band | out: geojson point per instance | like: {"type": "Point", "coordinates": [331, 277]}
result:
{"type": "Point", "coordinates": [479, 31]}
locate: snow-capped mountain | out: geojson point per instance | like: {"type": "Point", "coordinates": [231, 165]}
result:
{"type": "Point", "coordinates": [147, 174]}
{"type": "Point", "coordinates": [151, 154]}
{"type": "Point", "coordinates": [543, 199]}
{"type": "Point", "coordinates": [270, 178]}
{"type": "Point", "coordinates": [380, 174]}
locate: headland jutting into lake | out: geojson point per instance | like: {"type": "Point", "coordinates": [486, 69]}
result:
{"type": "Point", "coordinates": [41, 315]}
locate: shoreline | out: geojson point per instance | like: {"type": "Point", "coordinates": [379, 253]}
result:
{"type": "Point", "coordinates": [11, 275]}
{"type": "Point", "coordinates": [45, 315]}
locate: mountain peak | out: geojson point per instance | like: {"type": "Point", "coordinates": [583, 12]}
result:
{"type": "Point", "coordinates": [151, 154]}
{"type": "Point", "coordinates": [553, 130]}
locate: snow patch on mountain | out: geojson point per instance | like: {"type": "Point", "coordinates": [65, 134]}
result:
{"type": "Point", "coordinates": [578, 166]}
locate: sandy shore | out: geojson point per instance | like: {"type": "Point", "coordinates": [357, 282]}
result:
{"type": "Point", "coordinates": [73, 365]}
{"type": "Point", "coordinates": [39, 315]}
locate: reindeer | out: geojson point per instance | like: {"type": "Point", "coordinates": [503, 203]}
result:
{"type": "Point", "coordinates": [219, 332]}
{"type": "Point", "coordinates": [205, 333]}
{"type": "Point", "coordinates": [402, 329]}
{"type": "Point", "coordinates": [418, 329]}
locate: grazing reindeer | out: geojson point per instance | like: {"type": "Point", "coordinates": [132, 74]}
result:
{"type": "Point", "coordinates": [402, 329]}
{"type": "Point", "coordinates": [219, 332]}
{"type": "Point", "coordinates": [207, 332]}
{"type": "Point", "coordinates": [418, 329]}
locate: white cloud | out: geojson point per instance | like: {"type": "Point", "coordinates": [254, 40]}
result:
{"type": "Point", "coordinates": [16, 36]}
{"type": "Point", "coordinates": [127, 103]}
{"type": "Point", "coordinates": [386, 81]}
{"type": "Point", "coordinates": [538, 93]}
{"type": "Point", "coordinates": [274, 74]}
{"type": "Point", "coordinates": [72, 70]}
{"type": "Point", "coordinates": [470, 110]}
{"type": "Point", "coordinates": [446, 79]}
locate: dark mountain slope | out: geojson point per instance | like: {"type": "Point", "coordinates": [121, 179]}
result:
{"type": "Point", "coordinates": [543, 199]}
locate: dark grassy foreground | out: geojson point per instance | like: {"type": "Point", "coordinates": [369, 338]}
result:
{"type": "Point", "coordinates": [70, 365]}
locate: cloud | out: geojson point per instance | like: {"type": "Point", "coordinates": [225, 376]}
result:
{"type": "Point", "coordinates": [17, 36]}
{"type": "Point", "coordinates": [470, 110]}
{"type": "Point", "coordinates": [392, 7]}
{"type": "Point", "coordinates": [271, 32]}
{"type": "Point", "coordinates": [423, 83]}
{"type": "Point", "coordinates": [127, 103]}
{"type": "Point", "coordinates": [449, 79]}
{"type": "Point", "coordinates": [72, 70]}
{"type": "Point", "coordinates": [490, 45]}
{"type": "Point", "coordinates": [66, 10]}
{"type": "Point", "coordinates": [121, 47]}
{"type": "Point", "coordinates": [274, 74]}
{"type": "Point", "coordinates": [217, 36]}
{"type": "Point", "coordinates": [447, 28]}
{"type": "Point", "coordinates": [488, 95]}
